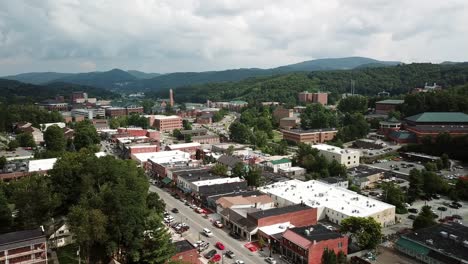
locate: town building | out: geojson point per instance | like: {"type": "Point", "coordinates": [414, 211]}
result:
{"type": "Point", "coordinates": [305, 245]}
{"type": "Point", "coordinates": [186, 147]}
{"type": "Point", "coordinates": [165, 123]}
{"type": "Point", "coordinates": [195, 132]}
{"type": "Point", "coordinates": [333, 203]}
{"type": "Point", "coordinates": [307, 97]}
{"type": "Point", "coordinates": [27, 246]}
{"type": "Point", "coordinates": [433, 123]}
{"type": "Point", "coordinates": [61, 237]}
{"type": "Point", "coordinates": [388, 126]}
{"type": "Point", "coordinates": [278, 164]}
{"type": "Point", "coordinates": [336, 182]}
{"type": "Point", "coordinates": [443, 243]}
{"type": "Point", "coordinates": [225, 147]}
{"type": "Point", "coordinates": [206, 139]}
{"type": "Point", "coordinates": [100, 124]}
{"type": "Point", "coordinates": [84, 113]}
{"type": "Point", "coordinates": [147, 148]}
{"type": "Point", "coordinates": [347, 157]}
{"type": "Point", "coordinates": [289, 122]}
{"type": "Point", "coordinates": [309, 136]}
{"type": "Point", "coordinates": [369, 143]}
{"type": "Point", "coordinates": [281, 112]}
{"type": "Point", "coordinates": [230, 162]}
{"type": "Point", "coordinates": [261, 201]}
{"type": "Point", "coordinates": [115, 111]}
{"type": "Point", "coordinates": [54, 105]}
{"type": "Point", "coordinates": [205, 119]}
{"type": "Point", "coordinates": [41, 165]}
{"type": "Point", "coordinates": [78, 95]}
{"type": "Point", "coordinates": [134, 109]}
{"type": "Point", "coordinates": [185, 252]}
{"type": "Point", "coordinates": [365, 177]}
{"type": "Point", "coordinates": [293, 172]}
{"type": "Point", "coordinates": [386, 106]}
{"type": "Point", "coordinates": [159, 163]}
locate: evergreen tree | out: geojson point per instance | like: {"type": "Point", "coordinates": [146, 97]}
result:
{"type": "Point", "coordinates": [424, 219]}
{"type": "Point", "coordinates": [328, 256]}
{"type": "Point", "coordinates": [157, 246]}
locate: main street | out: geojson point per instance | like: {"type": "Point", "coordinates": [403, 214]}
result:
{"type": "Point", "coordinates": [197, 223]}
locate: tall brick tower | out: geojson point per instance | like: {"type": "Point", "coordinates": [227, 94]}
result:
{"type": "Point", "coordinates": [171, 98]}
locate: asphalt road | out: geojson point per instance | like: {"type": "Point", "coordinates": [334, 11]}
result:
{"type": "Point", "coordinates": [197, 223]}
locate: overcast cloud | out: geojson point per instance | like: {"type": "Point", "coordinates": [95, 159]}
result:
{"type": "Point", "coordinates": [190, 35]}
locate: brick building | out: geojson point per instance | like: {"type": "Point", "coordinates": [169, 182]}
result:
{"type": "Point", "coordinates": [281, 112]}
{"type": "Point", "coordinates": [185, 252]}
{"type": "Point", "coordinates": [289, 122]}
{"type": "Point", "coordinates": [115, 111]}
{"type": "Point", "coordinates": [306, 97]}
{"type": "Point", "coordinates": [165, 123]}
{"type": "Point", "coordinates": [54, 105]}
{"type": "Point", "coordinates": [433, 123]}
{"type": "Point", "coordinates": [186, 147]}
{"type": "Point", "coordinates": [305, 245]}
{"type": "Point", "coordinates": [206, 139]}
{"type": "Point", "coordinates": [386, 106]}
{"type": "Point", "coordinates": [133, 109]}
{"type": "Point", "coordinates": [309, 136]}
{"type": "Point", "coordinates": [28, 246]}
{"type": "Point", "coordinates": [142, 149]}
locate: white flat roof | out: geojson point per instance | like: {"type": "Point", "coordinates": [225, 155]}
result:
{"type": "Point", "coordinates": [161, 117]}
{"type": "Point", "coordinates": [100, 154]}
{"type": "Point", "coordinates": [47, 125]}
{"type": "Point", "coordinates": [141, 146]}
{"type": "Point", "coordinates": [41, 165]}
{"type": "Point", "coordinates": [333, 149]}
{"type": "Point", "coordinates": [217, 181]}
{"type": "Point", "coordinates": [184, 145]}
{"type": "Point", "coordinates": [163, 156]}
{"type": "Point", "coordinates": [292, 169]}
{"type": "Point", "coordinates": [276, 228]}
{"type": "Point", "coordinates": [318, 194]}
{"type": "Point", "coordinates": [130, 128]}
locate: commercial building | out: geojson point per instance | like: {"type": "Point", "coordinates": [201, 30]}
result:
{"type": "Point", "coordinates": [54, 105]}
{"type": "Point", "coordinates": [186, 147]}
{"type": "Point", "coordinates": [305, 245]}
{"type": "Point", "coordinates": [309, 136]}
{"type": "Point", "coordinates": [306, 97]}
{"type": "Point", "coordinates": [333, 203]}
{"type": "Point", "coordinates": [349, 158]}
{"type": "Point", "coordinates": [165, 123]}
{"type": "Point", "coordinates": [115, 111]}
{"type": "Point", "coordinates": [289, 122]}
{"type": "Point", "coordinates": [41, 165]}
{"type": "Point", "coordinates": [159, 163]}
{"type": "Point", "coordinates": [78, 95]}
{"type": "Point", "coordinates": [230, 162]}
{"type": "Point", "coordinates": [206, 139]}
{"type": "Point", "coordinates": [100, 124]}
{"type": "Point", "coordinates": [277, 164]}
{"type": "Point", "coordinates": [280, 112]}
{"type": "Point", "coordinates": [133, 109]}
{"type": "Point", "coordinates": [386, 106]}
{"type": "Point", "coordinates": [262, 201]}
{"type": "Point", "coordinates": [388, 126]}
{"type": "Point", "coordinates": [434, 123]}
{"type": "Point", "coordinates": [134, 149]}
{"type": "Point", "coordinates": [85, 113]}
{"type": "Point", "coordinates": [365, 177]}
{"type": "Point", "coordinates": [336, 182]}
{"type": "Point", "coordinates": [185, 252]}
{"type": "Point", "coordinates": [28, 246]}
{"type": "Point", "coordinates": [443, 243]}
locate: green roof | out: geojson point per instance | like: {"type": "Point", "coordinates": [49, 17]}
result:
{"type": "Point", "coordinates": [440, 117]}
{"type": "Point", "coordinates": [413, 246]}
{"type": "Point", "coordinates": [166, 180]}
{"type": "Point", "coordinates": [391, 101]}
{"type": "Point", "coordinates": [280, 161]}
{"type": "Point", "coordinates": [238, 102]}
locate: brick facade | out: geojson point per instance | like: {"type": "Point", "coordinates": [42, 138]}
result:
{"type": "Point", "coordinates": [309, 136]}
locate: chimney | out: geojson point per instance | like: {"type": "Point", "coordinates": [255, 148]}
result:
{"type": "Point", "coordinates": [171, 98]}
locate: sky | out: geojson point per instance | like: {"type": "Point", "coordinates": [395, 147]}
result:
{"type": "Point", "coordinates": [198, 35]}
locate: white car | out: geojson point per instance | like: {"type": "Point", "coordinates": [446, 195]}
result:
{"type": "Point", "coordinates": [270, 260]}
{"type": "Point", "coordinates": [207, 232]}
{"type": "Point", "coordinates": [238, 261]}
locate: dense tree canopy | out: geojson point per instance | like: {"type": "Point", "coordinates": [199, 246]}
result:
{"type": "Point", "coordinates": [366, 231]}
{"type": "Point", "coordinates": [12, 113]}
{"type": "Point", "coordinates": [54, 139]}
{"type": "Point", "coordinates": [26, 140]}
{"type": "Point", "coordinates": [353, 104]}
{"type": "Point", "coordinates": [424, 219]}
{"type": "Point", "coordinates": [317, 165]}
{"type": "Point", "coordinates": [317, 116]}
{"type": "Point", "coordinates": [86, 135]}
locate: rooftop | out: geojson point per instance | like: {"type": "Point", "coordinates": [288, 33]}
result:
{"type": "Point", "coordinates": [19, 236]}
{"type": "Point", "coordinates": [390, 101]}
{"type": "Point", "coordinates": [307, 235]}
{"type": "Point", "coordinates": [302, 131]}
{"type": "Point", "coordinates": [192, 175]}
{"type": "Point", "coordinates": [279, 211]}
{"type": "Point", "coordinates": [332, 180]}
{"type": "Point", "coordinates": [276, 228]}
{"type": "Point", "coordinates": [193, 131]}
{"type": "Point", "coordinates": [162, 117]}
{"type": "Point", "coordinates": [318, 194]}
{"type": "Point", "coordinates": [230, 161]}
{"type": "Point", "coordinates": [164, 156]}
{"type": "Point", "coordinates": [184, 145]}
{"type": "Point", "coordinates": [333, 149]}
{"type": "Point", "coordinates": [217, 181]}
{"type": "Point", "coordinates": [439, 117]}
{"type": "Point", "coordinates": [230, 187]}
{"type": "Point", "coordinates": [362, 171]}
{"type": "Point", "coordinates": [182, 246]}
{"type": "Point", "coordinates": [243, 200]}
{"type": "Point", "coordinates": [280, 161]}
{"type": "Point", "coordinates": [41, 165]}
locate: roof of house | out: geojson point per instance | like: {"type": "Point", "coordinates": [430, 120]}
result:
{"type": "Point", "coordinates": [229, 161]}
{"type": "Point", "coordinates": [280, 161]}
{"type": "Point", "coordinates": [193, 175]}
{"type": "Point", "coordinates": [182, 246]}
{"type": "Point", "coordinates": [303, 238]}
{"type": "Point", "coordinates": [444, 241]}
{"type": "Point", "coordinates": [390, 101]}
{"type": "Point", "coordinates": [439, 117]}
{"type": "Point", "coordinates": [19, 236]}
{"type": "Point", "coordinates": [279, 211]}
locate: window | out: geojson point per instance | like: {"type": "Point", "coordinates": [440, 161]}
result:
{"type": "Point", "coordinates": [340, 244]}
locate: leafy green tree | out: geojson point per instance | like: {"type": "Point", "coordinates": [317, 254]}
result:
{"type": "Point", "coordinates": [460, 190]}
{"type": "Point", "coordinates": [445, 161]}
{"type": "Point", "coordinates": [433, 183]}
{"type": "Point", "coordinates": [188, 138]}
{"type": "Point", "coordinates": [154, 202]}
{"type": "Point", "coordinates": [424, 219]}
{"type": "Point", "coordinates": [157, 246]}
{"type": "Point", "coordinates": [259, 138]}
{"type": "Point", "coordinates": [147, 106]}
{"type": "Point", "coordinates": [341, 258]}
{"type": "Point", "coordinates": [3, 162]}
{"type": "Point", "coordinates": [238, 170]}
{"type": "Point", "coordinates": [6, 219]}
{"type": "Point", "coordinates": [219, 169]}
{"type": "Point", "coordinates": [114, 123]}
{"type": "Point", "coordinates": [393, 195]}
{"type": "Point", "coordinates": [430, 166]}
{"type": "Point", "coordinates": [329, 256]}
{"type": "Point", "coordinates": [366, 231]}
{"type": "Point", "coordinates": [26, 140]}
{"type": "Point", "coordinates": [353, 104]}
{"type": "Point", "coordinates": [317, 116]}
{"type": "Point", "coordinates": [34, 200]}
{"type": "Point", "coordinates": [55, 139]}
{"type": "Point", "coordinates": [337, 169]}
{"type": "Point", "coordinates": [416, 182]}
{"type": "Point", "coordinates": [186, 124]}
{"type": "Point", "coordinates": [354, 127]}
{"type": "Point", "coordinates": [86, 135]}
{"type": "Point", "coordinates": [253, 177]}
{"type": "Point", "coordinates": [239, 132]}
{"type": "Point", "coordinates": [13, 144]}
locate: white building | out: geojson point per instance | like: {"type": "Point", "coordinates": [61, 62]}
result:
{"type": "Point", "coordinates": [349, 158]}
{"type": "Point", "coordinates": [195, 186]}
{"type": "Point", "coordinates": [41, 165]}
{"type": "Point", "coordinates": [61, 237]}
{"type": "Point", "coordinates": [162, 157]}
{"type": "Point", "coordinates": [278, 164]}
{"type": "Point", "coordinates": [332, 202]}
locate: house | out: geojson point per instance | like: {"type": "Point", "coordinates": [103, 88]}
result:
{"type": "Point", "coordinates": [61, 237]}
{"type": "Point", "coordinates": [346, 157]}
{"type": "Point", "coordinates": [27, 246]}
{"type": "Point", "coordinates": [278, 164]}
{"type": "Point", "coordinates": [443, 243]}
{"type": "Point", "coordinates": [306, 244]}
{"type": "Point", "coordinates": [230, 162]}
{"type": "Point", "coordinates": [185, 252]}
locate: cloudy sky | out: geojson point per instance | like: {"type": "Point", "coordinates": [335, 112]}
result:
{"type": "Point", "coordinates": [197, 35]}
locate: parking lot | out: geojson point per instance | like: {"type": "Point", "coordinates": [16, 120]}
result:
{"type": "Point", "coordinates": [402, 167]}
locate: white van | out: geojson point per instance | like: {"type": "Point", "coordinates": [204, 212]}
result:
{"type": "Point", "coordinates": [207, 232]}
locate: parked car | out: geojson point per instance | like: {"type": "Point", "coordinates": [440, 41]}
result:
{"type": "Point", "coordinates": [210, 254]}
{"type": "Point", "coordinates": [238, 261]}
{"type": "Point", "coordinates": [230, 254]}
{"type": "Point", "coordinates": [412, 216]}
{"type": "Point", "coordinates": [442, 208]}
{"type": "Point", "coordinates": [207, 232]}
{"type": "Point", "coordinates": [220, 245]}
{"type": "Point", "coordinates": [270, 260]}
{"type": "Point", "coordinates": [457, 217]}
{"type": "Point", "coordinates": [218, 224]}
{"type": "Point", "coordinates": [216, 258]}
{"type": "Point", "coordinates": [413, 210]}
{"type": "Point", "coordinates": [436, 196]}
{"type": "Point", "coordinates": [454, 206]}
{"type": "Point", "coordinates": [457, 204]}
{"type": "Point", "coordinates": [175, 210]}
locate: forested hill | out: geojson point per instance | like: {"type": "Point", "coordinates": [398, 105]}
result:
{"type": "Point", "coordinates": [368, 81]}
{"type": "Point", "coordinates": [17, 92]}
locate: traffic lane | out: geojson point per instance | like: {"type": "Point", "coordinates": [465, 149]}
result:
{"type": "Point", "coordinates": [197, 223]}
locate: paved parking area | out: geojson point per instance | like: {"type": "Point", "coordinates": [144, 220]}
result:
{"type": "Point", "coordinates": [397, 166]}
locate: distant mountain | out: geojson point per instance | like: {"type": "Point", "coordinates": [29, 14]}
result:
{"type": "Point", "coordinates": [114, 78]}
{"type": "Point", "coordinates": [143, 75]}
{"type": "Point", "coordinates": [347, 63]}
{"type": "Point", "coordinates": [37, 77]}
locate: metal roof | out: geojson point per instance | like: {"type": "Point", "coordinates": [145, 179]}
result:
{"type": "Point", "coordinates": [439, 117]}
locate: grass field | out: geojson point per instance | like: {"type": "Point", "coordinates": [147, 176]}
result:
{"type": "Point", "coordinates": [277, 136]}
{"type": "Point", "coordinates": [67, 254]}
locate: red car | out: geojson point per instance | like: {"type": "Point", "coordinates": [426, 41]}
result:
{"type": "Point", "coordinates": [220, 245]}
{"type": "Point", "coordinates": [216, 258]}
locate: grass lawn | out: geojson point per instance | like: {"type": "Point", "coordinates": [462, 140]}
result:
{"type": "Point", "coordinates": [67, 254]}
{"type": "Point", "coordinates": [277, 136]}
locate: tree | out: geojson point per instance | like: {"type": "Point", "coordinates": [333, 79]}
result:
{"type": "Point", "coordinates": [393, 195]}
{"type": "Point", "coordinates": [416, 182]}
{"type": "Point", "coordinates": [157, 245]}
{"type": "Point", "coordinates": [328, 256]}
{"type": "Point", "coordinates": [230, 150]}
{"type": "Point", "coordinates": [55, 139]}
{"type": "Point", "coordinates": [219, 169]}
{"type": "Point", "coordinates": [253, 177]}
{"type": "Point", "coordinates": [341, 258]}
{"type": "Point", "coordinates": [430, 166]}
{"type": "Point", "coordinates": [259, 138]}
{"type": "Point", "coordinates": [86, 136]}
{"type": "Point", "coordinates": [186, 124]}
{"type": "Point", "coordinates": [238, 170]}
{"type": "Point", "coordinates": [240, 133]}
{"type": "Point", "coordinates": [424, 219]}
{"type": "Point", "coordinates": [3, 162]}
{"type": "Point", "coordinates": [317, 116]}
{"type": "Point", "coordinates": [445, 161]}
{"type": "Point", "coordinates": [13, 144]}
{"type": "Point", "coordinates": [366, 231]}
{"type": "Point", "coordinates": [337, 169]}
{"type": "Point", "coordinates": [354, 126]}
{"type": "Point", "coordinates": [154, 202]}
{"type": "Point", "coordinates": [26, 140]}
{"type": "Point", "coordinates": [353, 104]}
{"type": "Point", "coordinates": [6, 220]}
{"type": "Point", "coordinates": [147, 106]}
{"type": "Point", "coordinates": [261, 242]}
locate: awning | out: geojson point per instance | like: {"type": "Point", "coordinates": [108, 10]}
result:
{"type": "Point", "coordinates": [166, 180]}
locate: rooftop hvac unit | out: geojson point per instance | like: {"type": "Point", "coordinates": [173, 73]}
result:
{"type": "Point", "coordinates": [307, 232]}
{"type": "Point", "coordinates": [429, 242]}
{"type": "Point", "coordinates": [453, 237]}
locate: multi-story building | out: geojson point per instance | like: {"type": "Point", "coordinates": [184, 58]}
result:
{"type": "Point", "coordinates": [54, 105]}
{"type": "Point", "coordinates": [160, 163]}
{"type": "Point", "coordinates": [277, 164]}
{"type": "Point", "coordinates": [386, 106]}
{"type": "Point", "coordinates": [309, 136]}
{"type": "Point", "coordinates": [388, 126]}
{"type": "Point", "coordinates": [115, 111]}
{"type": "Point", "coordinates": [281, 112]}
{"type": "Point", "coordinates": [347, 157]}
{"type": "Point", "coordinates": [185, 253]}
{"type": "Point", "coordinates": [186, 147]}
{"type": "Point", "coordinates": [305, 245]}
{"type": "Point", "coordinates": [133, 109]}
{"type": "Point", "coordinates": [28, 246]}
{"type": "Point", "coordinates": [433, 123]}
{"type": "Point", "coordinates": [307, 97]}
{"type": "Point", "coordinates": [289, 122]}
{"type": "Point", "coordinates": [333, 203]}
{"type": "Point", "coordinates": [206, 139]}
{"type": "Point", "coordinates": [165, 123]}
{"type": "Point", "coordinates": [78, 95]}
{"type": "Point", "coordinates": [88, 113]}
{"type": "Point", "coordinates": [365, 177]}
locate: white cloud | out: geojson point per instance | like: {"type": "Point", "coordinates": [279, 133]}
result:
{"type": "Point", "coordinates": [197, 35]}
